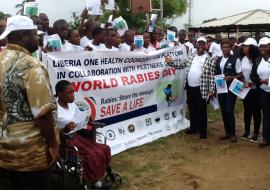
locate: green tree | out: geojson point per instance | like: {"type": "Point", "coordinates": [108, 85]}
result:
{"type": "Point", "coordinates": [172, 9]}
{"type": "Point", "coordinates": [75, 23]}
{"type": "Point", "coordinates": [2, 15]}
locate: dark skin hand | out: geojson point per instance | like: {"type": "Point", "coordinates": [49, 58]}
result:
{"type": "Point", "coordinates": [46, 125]}
{"type": "Point", "coordinates": [69, 127]}
{"type": "Point", "coordinates": [132, 47]}
{"type": "Point", "coordinates": [87, 48]}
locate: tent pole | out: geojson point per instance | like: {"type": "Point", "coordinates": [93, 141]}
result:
{"type": "Point", "coordinates": [237, 31]}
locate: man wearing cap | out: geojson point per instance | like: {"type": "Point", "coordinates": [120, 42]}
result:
{"type": "Point", "coordinates": [260, 75]}
{"type": "Point", "coordinates": [28, 143]}
{"type": "Point", "coordinates": [199, 85]}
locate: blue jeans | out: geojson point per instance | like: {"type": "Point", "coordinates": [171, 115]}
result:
{"type": "Point", "coordinates": [227, 103]}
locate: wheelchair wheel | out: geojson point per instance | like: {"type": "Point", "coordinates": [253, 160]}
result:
{"type": "Point", "coordinates": [115, 180]}
{"type": "Point", "coordinates": [58, 175]}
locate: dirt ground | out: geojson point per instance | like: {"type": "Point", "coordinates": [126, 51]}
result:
{"type": "Point", "coordinates": [182, 162]}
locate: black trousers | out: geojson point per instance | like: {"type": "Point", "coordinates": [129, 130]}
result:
{"type": "Point", "coordinates": [252, 108]}
{"type": "Point", "coordinates": [227, 103]}
{"type": "Point", "coordinates": [197, 110]}
{"type": "Point", "coordinates": [265, 104]}
{"type": "Point", "coordinates": [36, 180]}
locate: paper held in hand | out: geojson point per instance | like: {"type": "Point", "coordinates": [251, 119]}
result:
{"type": "Point", "coordinates": [81, 121]}
{"type": "Point", "coordinates": [138, 41]}
{"type": "Point", "coordinates": [54, 43]}
{"type": "Point", "coordinates": [30, 9]}
{"type": "Point", "coordinates": [170, 36]}
{"type": "Point", "coordinates": [153, 21]}
{"type": "Point", "coordinates": [94, 7]}
{"type": "Point", "coordinates": [215, 104]}
{"type": "Point", "coordinates": [221, 84]}
{"type": "Point", "coordinates": [121, 25]}
{"type": "Point", "coordinates": [238, 88]}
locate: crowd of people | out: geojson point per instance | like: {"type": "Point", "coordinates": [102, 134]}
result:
{"type": "Point", "coordinates": [29, 111]}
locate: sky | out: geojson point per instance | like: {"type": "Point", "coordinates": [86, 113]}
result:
{"type": "Point", "coordinates": [208, 9]}
{"type": "Point", "coordinates": [201, 9]}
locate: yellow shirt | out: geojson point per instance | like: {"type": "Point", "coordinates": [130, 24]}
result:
{"type": "Point", "coordinates": [26, 95]}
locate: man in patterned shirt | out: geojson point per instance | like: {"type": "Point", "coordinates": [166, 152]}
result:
{"type": "Point", "coordinates": [28, 144]}
{"type": "Point", "coordinates": [199, 85]}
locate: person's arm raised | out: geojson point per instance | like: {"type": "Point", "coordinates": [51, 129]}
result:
{"type": "Point", "coordinates": [83, 18]}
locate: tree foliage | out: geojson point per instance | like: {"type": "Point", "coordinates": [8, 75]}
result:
{"type": "Point", "coordinates": [2, 15]}
{"type": "Point", "coordinates": [137, 20]}
{"type": "Point", "coordinates": [172, 9]}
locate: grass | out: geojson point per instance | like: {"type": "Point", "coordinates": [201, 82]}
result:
{"type": "Point", "coordinates": [214, 115]}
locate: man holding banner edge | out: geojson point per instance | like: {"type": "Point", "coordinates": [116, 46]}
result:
{"type": "Point", "coordinates": [199, 84]}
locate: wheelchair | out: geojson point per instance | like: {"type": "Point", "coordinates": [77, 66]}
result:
{"type": "Point", "coordinates": [67, 172]}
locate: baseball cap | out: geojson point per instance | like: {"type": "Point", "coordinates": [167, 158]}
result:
{"type": "Point", "coordinates": [250, 41]}
{"type": "Point", "coordinates": [202, 39]}
{"type": "Point", "coordinates": [18, 22]}
{"type": "Point", "coordinates": [264, 41]}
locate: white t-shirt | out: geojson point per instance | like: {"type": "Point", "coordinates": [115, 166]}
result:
{"type": "Point", "coordinates": [149, 49]}
{"type": "Point", "coordinates": [215, 49]}
{"type": "Point", "coordinates": [72, 114]}
{"type": "Point", "coordinates": [172, 44]}
{"type": "Point", "coordinates": [191, 48]}
{"type": "Point", "coordinates": [145, 50]}
{"type": "Point", "coordinates": [223, 63]}
{"type": "Point", "coordinates": [195, 71]}
{"type": "Point", "coordinates": [264, 73]}
{"type": "Point", "coordinates": [246, 66]}
{"type": "Point", "coordinates": [85, 41]}
{"type": "Point", "coordinates": [124, 47]}
{"type": "Point", "coordinates": [69, 47]}
{"type": "Point", "coordinates": [45, 42]}
{"type": "Point", "coordinates": [100, 47]}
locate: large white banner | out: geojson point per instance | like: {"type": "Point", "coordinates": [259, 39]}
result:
{"type": "Point", "coordinates": [138, 97]}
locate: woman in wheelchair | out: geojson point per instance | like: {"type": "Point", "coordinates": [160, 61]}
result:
{"type": "Point", "coordinates": [96, 157]}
